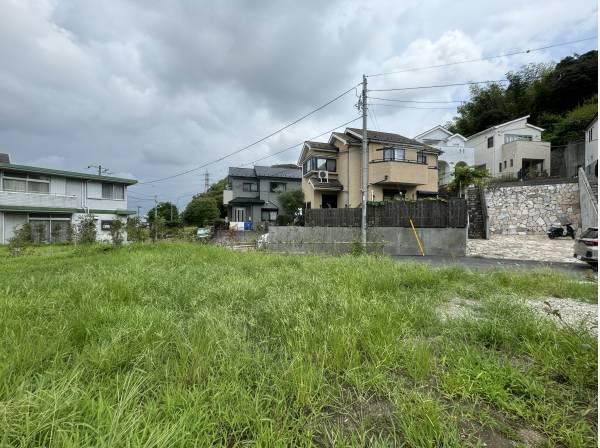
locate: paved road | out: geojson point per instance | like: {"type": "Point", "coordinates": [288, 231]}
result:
{"type": "Point", "coordinates": [484, 264]}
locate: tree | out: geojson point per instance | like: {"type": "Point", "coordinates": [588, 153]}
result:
{"type": "Point", "coordinates": [569, 127]}
{"type": "Point", "coordinates": [168, 211]}
{"type": "Point", "coordinates": [465, 176]}
{"type": "Point", "coordinates": [547, 92]}
{"type": "Point", "coordinates": [116, 232]}
{"type": "Point", "coordinates": [86, 229]}
{"type": "Point", "coordinates": [291, 202]}
{"type": "Point", "coordinates": [136, 231]}
{"type": "Point", "coordinates": [201, 211]}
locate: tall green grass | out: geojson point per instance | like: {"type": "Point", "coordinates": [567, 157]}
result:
{"type": "Point", "coordinates": [184, 345]}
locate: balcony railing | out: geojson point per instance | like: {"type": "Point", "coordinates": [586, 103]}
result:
{"type": "Point", "coordinates": [420, 162]}
{"type": "Point", "coordinates": [402, 172]}
{"type": "Point", "coordinates": [51, 200]}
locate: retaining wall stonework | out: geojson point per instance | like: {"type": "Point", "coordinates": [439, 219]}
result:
{"type": "Point", "coordinates": [387, 240]}
{"type": "Point", "coordinates": [530, 209]}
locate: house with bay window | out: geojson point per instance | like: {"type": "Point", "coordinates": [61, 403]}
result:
{"type": "Point", "coordinates": [399, 168]}
{"type": "Point", "coordinates": [253, 193]}
{"type": "Point", "coordinates": [54, 200]}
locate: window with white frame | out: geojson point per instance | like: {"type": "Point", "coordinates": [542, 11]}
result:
{"type": "Point", "coordinates": [490, 142]}
{"type": "Point", "coordinates": [113, 191]}
{"type": "Point", "coordinates": [395, 153]}
{"type": "Point", "coordinates": [514, 137]}
{"type": "Point", "coordinates": [25, 183]}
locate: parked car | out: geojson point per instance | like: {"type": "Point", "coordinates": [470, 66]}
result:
{"type": "Point", "coordinates": [203, 233]}
{"type": "Point", "coordinates": [586, 246]}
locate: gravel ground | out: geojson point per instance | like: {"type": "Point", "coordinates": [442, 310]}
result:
{"type": "Point", "coordinates": [568, 312]}
{"type": "Point", "coordinates": [562, 311]}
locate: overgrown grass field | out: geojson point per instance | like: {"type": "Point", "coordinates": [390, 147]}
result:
{"type": "Point", "coordinates": [178, 345]}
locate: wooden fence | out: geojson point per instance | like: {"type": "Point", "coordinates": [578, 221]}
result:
{"type": "Point", "coordinates": [452, 213]}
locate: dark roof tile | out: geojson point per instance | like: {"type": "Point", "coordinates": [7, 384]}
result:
{"type": "Point", "coordinates": [388, 137]}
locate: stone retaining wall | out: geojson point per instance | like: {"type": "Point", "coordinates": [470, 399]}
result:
{"type": "Point", "coordinates": [530, 209]}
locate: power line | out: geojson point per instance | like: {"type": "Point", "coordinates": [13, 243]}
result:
{"type": "Point", "coordinates": [416, 101]}
{"type": "Point", "coordinates": [440, 85]}
{"type": "Point", "coordinates": [301, 143]}
{"type": "Point", "coordinates": [486, 58]}
{"type": "Point", "coordinates": [411, 107]}
{"type": "Point", "coordinates": [253, 143]}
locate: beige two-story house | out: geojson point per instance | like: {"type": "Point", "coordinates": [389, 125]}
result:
{"type": "Point", "coordinates": [514, 148]}
{"type": "Point", "coordinates": [399, 167]}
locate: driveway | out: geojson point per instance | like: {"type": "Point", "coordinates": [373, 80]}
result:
{"type": "Point", "coordinates": [524, 247]}
{"type": "Point", "coordinates": [580, 270]}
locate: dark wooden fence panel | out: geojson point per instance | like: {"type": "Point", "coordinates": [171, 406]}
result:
{"type": "Point", "coordinates": [394, 214]}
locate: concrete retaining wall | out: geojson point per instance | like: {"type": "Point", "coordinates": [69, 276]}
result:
{"type": "Point", "coordinates": [587, 201]}
{"type": "Point", "coordinates": [520, 209]}
{"type": "Point", "coordinates": [386, 240]}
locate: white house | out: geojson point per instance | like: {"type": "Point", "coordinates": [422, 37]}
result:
{"type": "Point", "coordinates": [591, 148]}
{"type": "Point", "coordinates": [53, 200]}
{"type": "Point", "coordinates": [454, 154]}
{"type": "Point", "coordinates": [514, 148]}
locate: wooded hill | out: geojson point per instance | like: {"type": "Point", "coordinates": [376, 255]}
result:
{"type": "Point", "coordinates": [561, 98]}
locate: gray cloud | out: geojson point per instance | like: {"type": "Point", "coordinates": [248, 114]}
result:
{"type": "Point", "coordinates": [151, 88]}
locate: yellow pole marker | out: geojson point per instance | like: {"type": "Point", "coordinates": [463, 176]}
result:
{"type": "Point", "coordinates": [417, 238]}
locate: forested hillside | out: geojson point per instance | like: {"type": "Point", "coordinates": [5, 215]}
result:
{"type": "Point", "coordinates": [561, 98]}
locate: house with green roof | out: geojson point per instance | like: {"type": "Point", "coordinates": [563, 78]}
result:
{"type": "Point", "coordinates": [54, 200]}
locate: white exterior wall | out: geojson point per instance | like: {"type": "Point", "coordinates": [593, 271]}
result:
{"type": "Point", "coordinates": [102, 235]}
{"type": "Point", "coordinates": [591, 148]}
{"type": "Point", "coordinates": [65, 193]}
{"type": "Point", "coordinates": [454, 151]}
{"type": "Point", "coordinates": [491, 157]}
{"type": "Point", "coordinates": [9, 223]}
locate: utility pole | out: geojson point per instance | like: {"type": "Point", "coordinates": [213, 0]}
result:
{"type": "Point", "coordinates": [206, 181]}
{"type": "Point", "coordinates": [365, 165]}
{"type": "Point", "coordinates": [155, 218]}
{"type": "Point", "coordinates": [138, 213]}
{"type": "Point", "coordinates": [101, 170]}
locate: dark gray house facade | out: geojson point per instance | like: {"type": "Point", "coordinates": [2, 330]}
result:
{"type": "Point", "coordinates": [253, 193]}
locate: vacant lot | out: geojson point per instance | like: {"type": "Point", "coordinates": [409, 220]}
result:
{"type": "Point", "coordinates": [185, 345]}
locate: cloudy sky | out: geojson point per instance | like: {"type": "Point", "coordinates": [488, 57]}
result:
{"type": "Point", "coordinates": [151, 88]}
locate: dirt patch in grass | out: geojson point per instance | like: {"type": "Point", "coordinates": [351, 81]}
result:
{"type": "Point", "coordinates": [568, 312]}
{"type": "Point", "coordinates": [565, 312]}
{"type": "Point", "coordinates": [374, 412]}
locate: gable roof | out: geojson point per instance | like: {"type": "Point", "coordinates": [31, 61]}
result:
{"type": "Point", "coordinates": [70, 174]}
{"type": "Point", "coordinates": [589, 125]}
{"type": "Point", "coordinates": [241, 172]}
{"type": "Point", "coordinates": [439, 127]}
{"type": "Point", "coordinates": [501, 125]}
{"type": "Point", "coordinates": [388, 137]}
{"type": "Point", "coordinates": [463, 138]}
{"type": "Point", "coordinates": [270, 171]}
{"type": "Point", "coordinates": [321, 146]}
{"type": "Point", "coordinates": [266, 171]}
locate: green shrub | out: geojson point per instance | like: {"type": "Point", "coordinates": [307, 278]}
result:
{"type": "Point", "coordinates": [86, 229]}
{"type": "Point", "coordinates": [116, 232]}
{"type": "Point", "coordinates": [22, 238]}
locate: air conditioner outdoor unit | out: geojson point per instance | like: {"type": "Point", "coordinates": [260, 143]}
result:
{"type": "Point", "coordinates": [323, 176]}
